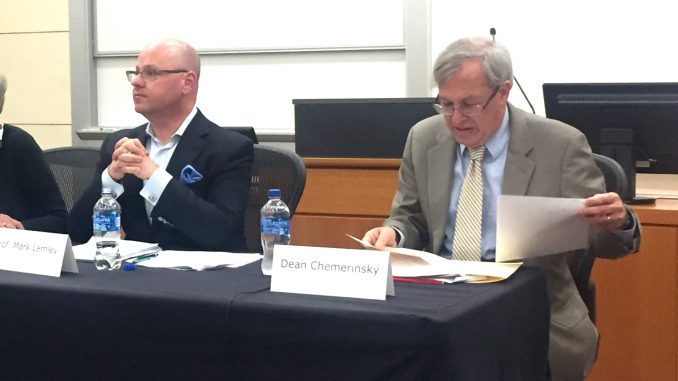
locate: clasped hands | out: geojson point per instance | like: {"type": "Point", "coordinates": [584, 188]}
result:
{"type": "Point", "coordinates": [130, 156]}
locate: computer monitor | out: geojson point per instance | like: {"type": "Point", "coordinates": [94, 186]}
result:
{"type": "Point", "coordinates": [634, 123]}
{"type": "Point", "coordinates": [357, 128]}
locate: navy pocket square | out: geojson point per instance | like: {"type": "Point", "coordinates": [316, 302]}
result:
{"type": "Point", "coordinates": [190, 175]}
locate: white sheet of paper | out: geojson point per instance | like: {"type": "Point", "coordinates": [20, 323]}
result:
{"type": "Point", "coordinates": [199, 260]}
{"type": "Point", "coordinates": [530, 226]}
{"type": "Point", "coordinates": [127, 248]}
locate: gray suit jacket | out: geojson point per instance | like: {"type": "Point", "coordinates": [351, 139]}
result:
{"type": "Point", "coordinates": [545, 158]}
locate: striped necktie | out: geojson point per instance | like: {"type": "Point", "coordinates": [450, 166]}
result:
{"type": "Point", "coordinates": [468, 227]}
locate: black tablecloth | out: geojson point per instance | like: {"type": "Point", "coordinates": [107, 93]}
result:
{"type": "Point", "coordinates": [226, 324]}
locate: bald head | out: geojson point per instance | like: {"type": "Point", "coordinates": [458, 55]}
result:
{"type": "Point", "coordinates": [168, 90]}
{"type": "Point", "coordinates": [3, 88]}
{"type": "Point", "coordinates": [180, 53]}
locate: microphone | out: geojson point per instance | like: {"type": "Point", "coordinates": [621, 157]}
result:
{"type": "Point", "coordinates": [493, 32]}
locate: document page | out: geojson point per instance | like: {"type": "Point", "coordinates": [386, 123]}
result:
{"type": "Point", "coordinates": [535, 226]}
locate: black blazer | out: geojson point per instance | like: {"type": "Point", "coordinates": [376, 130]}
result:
{"type": "Point", "coordinates": [205, 215]}
{"type": "Point", "coordinates": [28, 191]}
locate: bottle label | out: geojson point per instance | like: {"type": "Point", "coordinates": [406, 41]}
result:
{"type": "Point", "coordinates": [272, 225]}
{"type": "Point", "coordinates": [109, 222]}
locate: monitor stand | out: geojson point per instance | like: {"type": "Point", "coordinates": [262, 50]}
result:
{"type": "Point", "coordinates": [618, 144]}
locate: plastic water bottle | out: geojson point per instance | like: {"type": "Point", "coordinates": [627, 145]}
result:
{"type": "Point", "coordinates": [106, 224]}
{"type": "Point", "coordinates": [275, 227]}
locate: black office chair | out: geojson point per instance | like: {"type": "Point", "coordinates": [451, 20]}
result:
{"type": "Point", "coordinates": [73, 169]}
{"type": "Point", "coordinates": [582, 262]}
{"type": "Point", "coordinates": [272, 168]}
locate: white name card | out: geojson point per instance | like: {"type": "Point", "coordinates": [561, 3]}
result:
{"type": "Point", "coordinates": [34, 252]}
{"type": "Point", "coordinates": [364, 274]}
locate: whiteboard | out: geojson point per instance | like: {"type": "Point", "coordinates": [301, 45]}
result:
{"type": "Point", "coordinates": [124, 27]}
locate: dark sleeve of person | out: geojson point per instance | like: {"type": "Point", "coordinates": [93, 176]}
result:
{"type": "Point", "coordinates": [211, 212]}
{"type": "Point", "coordinates": [48, 210]}
{"type": "Point", "coordinates": [80, 218]}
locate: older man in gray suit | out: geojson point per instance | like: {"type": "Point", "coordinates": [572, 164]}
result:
{"type": "Point", "coordinates": [524, 154]}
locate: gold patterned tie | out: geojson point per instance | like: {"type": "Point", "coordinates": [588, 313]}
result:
{"type": "Point", "coordinates": [468, 227]}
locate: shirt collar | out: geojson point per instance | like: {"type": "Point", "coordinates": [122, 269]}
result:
{"type": "Point", "coordinates": [182, 127]}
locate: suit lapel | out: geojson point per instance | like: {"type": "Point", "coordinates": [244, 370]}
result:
{"type": "Point", "coordinates": [190, 145]}
{"type": "Point", "coordinates": [440, 170]}
{"type": "Point", "coordinates": [519, 167]}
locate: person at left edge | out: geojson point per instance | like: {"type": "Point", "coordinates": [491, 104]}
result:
{"type": "Point", "coordinates": [29, 195]}
{"type": "Point", "coordinates": [181, 180]}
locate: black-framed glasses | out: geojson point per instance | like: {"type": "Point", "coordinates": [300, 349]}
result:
{"type": "Point", "coordinates": [151, 74]}
{"type": "Point", "coordinates": [468, 110]}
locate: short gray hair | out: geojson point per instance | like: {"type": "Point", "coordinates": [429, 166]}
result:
{"type": "Point", "coordinates": [495, 58]}
{"type": "Point", "coordinates": [3, 88]}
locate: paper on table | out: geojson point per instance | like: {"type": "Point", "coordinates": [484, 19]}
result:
{"type": "Point", "coordinates": [127, 249]}
{"type": "Point", "coordinates": [199, 260]}
{"type": "Point", "coordinates": [415, 263]}
{"type": "Point", "coordinates": [530, 226]}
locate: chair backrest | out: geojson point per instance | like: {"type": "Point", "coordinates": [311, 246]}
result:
{"type": "Point", "coordinates": [273, 167]}
{"type": "Point", "coordinates": [615, 177]}
{"type": "Point", "coordinates": [582, 262]}
{"type": "Point", "coordinates": [73, 169]}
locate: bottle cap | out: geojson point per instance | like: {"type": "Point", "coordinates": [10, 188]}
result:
{"type": "Point", "coordinates": [129, 266]}
{"type": "Point", "coordinates": [106, 191]}
{"type": "Point", "coordinates": [274, 192]}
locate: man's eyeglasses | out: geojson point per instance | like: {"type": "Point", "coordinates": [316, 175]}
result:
{"type": "Point", "coordinates": [151, 74]}
{"type": "Point", "coordinates": [468, 110]}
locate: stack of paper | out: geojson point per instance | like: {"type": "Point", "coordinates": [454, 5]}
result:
{"type": "Point", "coordinates": [128, 249]}
{"type": "Point", "coordinates": [415, 263]}
{"type": "Point", "coordinates": [199, 260]}
{"type": "Point", "coordinates": [170, 259]}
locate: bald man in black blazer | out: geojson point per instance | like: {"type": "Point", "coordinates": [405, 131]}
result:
{"type": "Point", "coordinates": [181, 180]}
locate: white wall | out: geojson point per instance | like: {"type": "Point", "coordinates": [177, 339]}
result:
{"type": "Point", "coordinates": [569, 41]}
{"type": "Point", "coordinates": [34, 44]}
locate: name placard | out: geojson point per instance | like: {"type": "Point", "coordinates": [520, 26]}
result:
{"type": "Point", "coordinates": [364, 274]}
{"type": "Point", "coordinates": [35, 252]}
